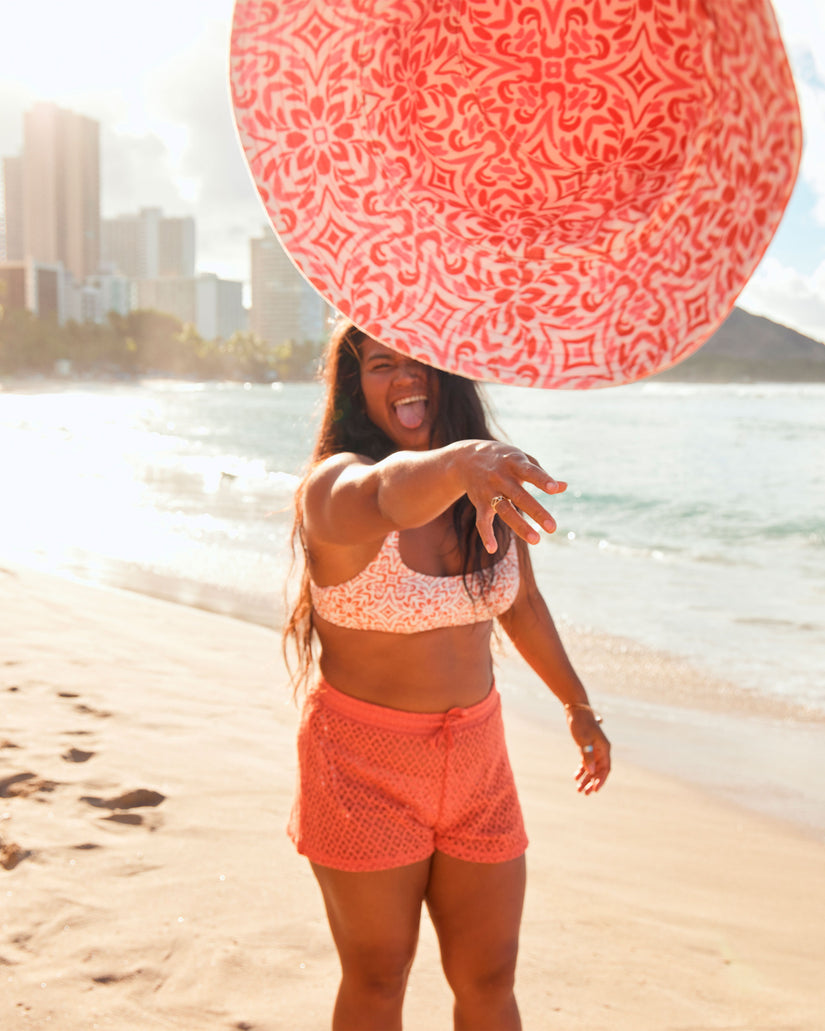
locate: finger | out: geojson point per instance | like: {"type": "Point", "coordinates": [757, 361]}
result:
{"type": "Point", "coordinates": [515, 509]}
{"type": "Point", "coordinates": [534, 473]}
{"type": "Point", "coordinates": [484, 527]}
{"type": "Point", "coordinates": [584, 777]}
{"type": "Point", "coordinates": [524, 501]}
{"type": "Point", "coordinates": [588, 784]}
{"type": "Point", "coordinates": [594, 768]}
{"type": "Point", "coordinates": [506, 510]}
{"type": "Point", "coordinates": [588, 766]}
{"type": "Point", "coordinates": [485, 520]}
{"type": "Point", "coordinates": [591, 782]}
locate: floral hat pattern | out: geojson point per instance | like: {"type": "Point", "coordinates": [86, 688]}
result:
{"type": "Point", "coordinates": [541, 192]}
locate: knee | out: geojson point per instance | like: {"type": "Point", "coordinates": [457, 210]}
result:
{"type": "Point", "coordinates": [379, 972]}
{"type": "Point", "coordinates": [489, 976]}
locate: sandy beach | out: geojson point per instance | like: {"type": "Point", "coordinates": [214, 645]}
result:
{"type": "Point", "coordinates": [146, 771]}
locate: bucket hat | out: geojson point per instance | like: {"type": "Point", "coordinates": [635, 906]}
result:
{"type": "Point", "coordinates": [542, 192]}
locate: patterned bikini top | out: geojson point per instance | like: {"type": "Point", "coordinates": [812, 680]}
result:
{"type": "Point", "coordinates": [387, 595]}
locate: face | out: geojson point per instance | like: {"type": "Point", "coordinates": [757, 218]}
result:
{"type": "Point", "coordinates": [400, 395]}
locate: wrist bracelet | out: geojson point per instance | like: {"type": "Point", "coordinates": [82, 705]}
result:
{"type": "Point", "coordinates": [572, 706]}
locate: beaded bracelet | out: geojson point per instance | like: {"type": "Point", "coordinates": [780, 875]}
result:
{"type": "Point", "coordinates": [572, 706]}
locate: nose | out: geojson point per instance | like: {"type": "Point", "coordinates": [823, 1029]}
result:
{"type": "Point", "coordinates": [410, 369]}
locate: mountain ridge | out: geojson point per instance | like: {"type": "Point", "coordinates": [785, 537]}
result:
{"type": "Point", "coordinates": [752, 348]}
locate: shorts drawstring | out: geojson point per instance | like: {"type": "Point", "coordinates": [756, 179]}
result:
{"type": "Point", "coordinates": [444, 734]}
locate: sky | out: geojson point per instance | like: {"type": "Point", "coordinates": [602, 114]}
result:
{"type": "Point", "coordinates": [154, 75]}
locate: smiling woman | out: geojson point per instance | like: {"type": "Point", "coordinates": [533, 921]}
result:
{"type": "Point", "coordinates": [414, 523]}
{"type": "Point", "coordinates": [399, 395]}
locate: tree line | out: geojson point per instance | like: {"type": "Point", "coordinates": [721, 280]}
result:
{"type": "Point", "coordinates": [145, 343]}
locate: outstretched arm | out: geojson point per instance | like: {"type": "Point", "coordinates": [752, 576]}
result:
{"type": "Point", "coordinates": [530, 627]}
{"type": "Point", "coordinates": [351, 500]}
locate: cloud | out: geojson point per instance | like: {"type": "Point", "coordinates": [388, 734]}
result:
{"type": "Point", "coordinates": [139, 172]}
{"type": "Point", "coordinates": [14, 99]}
{"type": "Point", "coordinates": [192, 93]}
{"type": "Point", "coordinates": [802, 24]}
{"type": "Point", "coordinates": [782, 294]}
{"type": "Point", "coordinates": [812, 171]}
{"type": "Point", "coordinates": [789, 284]}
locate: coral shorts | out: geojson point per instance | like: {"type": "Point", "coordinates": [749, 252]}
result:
{"type": "Point", "coordinates": [381, 788]}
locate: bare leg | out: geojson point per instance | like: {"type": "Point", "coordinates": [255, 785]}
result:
{"type": "Point", "coordinates": [375, 919]}
{"type": "Point", "coordinates": [476, 910]}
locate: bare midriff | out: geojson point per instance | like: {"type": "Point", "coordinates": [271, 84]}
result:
{"type": "Point", "coordinates": [432, 671]}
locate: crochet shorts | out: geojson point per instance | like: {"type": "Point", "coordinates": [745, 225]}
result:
{"type": "Point", "coordinates": [380, 788]}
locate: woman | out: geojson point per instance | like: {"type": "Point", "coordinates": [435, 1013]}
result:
{"type": "Point", "coordinates": [411, 522]}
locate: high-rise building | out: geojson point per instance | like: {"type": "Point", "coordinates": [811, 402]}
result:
{"type": "Point", "coordinates": [148, 245]}
{"type": "Point", "coordinates": [213, 306]}
{"type": "Point", "coordinates": [121, 246]}
{"type": "Point", "coordinates": [61, 188]}
{"type": "Point", "coordinates": [176, 247]}
{"type": "Point", "coordinates": [12, 249]}
{"type": "Point", "coordinates": [113, 292]}
{"type": "Point", "coordinates": [220, 307]}
{"type": "Point", "coordinates": [36, 286]}
{"type": "Point", "coordinates": [284, 305]}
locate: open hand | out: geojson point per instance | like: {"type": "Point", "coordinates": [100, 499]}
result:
{"type": "Point", "coordinates": [594, 748]}
{"type": "Point", "coordinates": [496, 475]}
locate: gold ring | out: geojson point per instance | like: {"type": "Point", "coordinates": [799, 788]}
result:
{"type": "Point", "coordinates": [497, 500]}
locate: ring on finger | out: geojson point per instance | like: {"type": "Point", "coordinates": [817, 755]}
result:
{"type": "Point", "coordinates": [587, 749]}
{"type": "Point", "coordinates": [497, 500]}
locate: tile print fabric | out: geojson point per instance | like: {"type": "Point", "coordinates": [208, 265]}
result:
{"type": "Point", "coordinates": [389, 596]}
{"type": "Point", "coordinates": [530, 191]}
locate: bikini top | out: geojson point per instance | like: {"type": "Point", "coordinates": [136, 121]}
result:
{"type": "Point", "coordinates": [387, 595]}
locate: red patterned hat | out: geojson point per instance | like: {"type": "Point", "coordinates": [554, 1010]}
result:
{"type": "Point", "coordinates": [541, 192]}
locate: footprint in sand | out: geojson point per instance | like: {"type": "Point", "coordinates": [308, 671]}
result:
{"type": "Point", "coordinates": [22, 785]}
{"type": "Point", "coordinates": [11, 854]}
{"type": "Point", "coordinates": [117, 978]}
{"type": "Point", "coordinates": [130, 819]}
{"type": "Point", "coordinates": [87, 710]}
{"type": "Point", "coordinates": [77, 755]}
{"type": "Point", "coordinates": [137, 799]}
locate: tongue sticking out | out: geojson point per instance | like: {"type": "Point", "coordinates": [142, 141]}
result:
{"type": "Point", "coordinates": [411, 415]}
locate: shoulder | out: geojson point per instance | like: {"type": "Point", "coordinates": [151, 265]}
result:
{"type": "Point", "coordinates": [338, 505]}
{"type": "Point", "coordinates": [324, 475]}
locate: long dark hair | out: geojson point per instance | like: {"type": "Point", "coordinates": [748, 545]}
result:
{"type": "Point", "coordinates": [461, 415]}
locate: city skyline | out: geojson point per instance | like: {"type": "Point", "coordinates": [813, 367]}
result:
{"type": "Point", "coordinates": [60, 258]}
{"type": "Point", "coordinates": [159, 89]}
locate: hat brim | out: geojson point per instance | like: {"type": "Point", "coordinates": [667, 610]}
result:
{"type": "Point", "coordinates": [552, 202]}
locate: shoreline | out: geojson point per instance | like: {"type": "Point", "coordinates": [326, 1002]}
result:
{"type": "Point", "coordinates": [147, 762]}
{"type": "Point", "coordinates": [663, 714]}
{"type": "Point", "coordinates": [611, 664]}
{"type": "Point", "coordinates": [615, 663]}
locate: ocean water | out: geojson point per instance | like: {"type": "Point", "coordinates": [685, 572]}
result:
{"type": "Point", "coordinates": [693, 521]}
